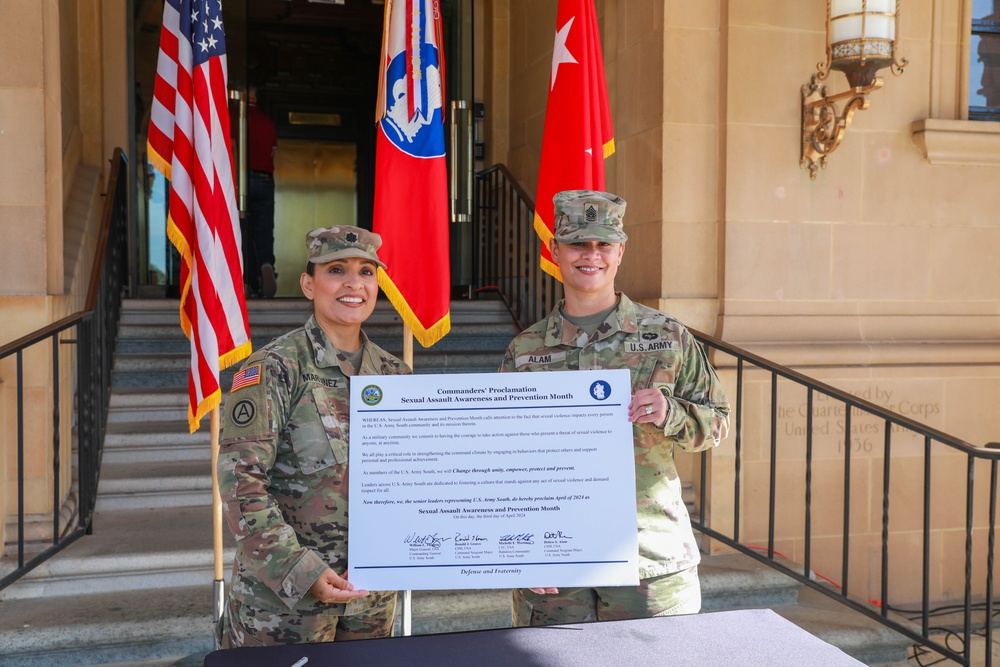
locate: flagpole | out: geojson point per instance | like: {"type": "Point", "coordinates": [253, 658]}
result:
{"type": "Point", "coordinates": [219, 588]}
{"type": "Point", "coordinates": [412, 186]}
{"type": "Point", "coordinates": [407, 345]}
{"type": "Point", "coordinates": [407, 602]}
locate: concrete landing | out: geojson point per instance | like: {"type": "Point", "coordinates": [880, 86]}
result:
{"type": "Point", "coordinates": [107, 628]}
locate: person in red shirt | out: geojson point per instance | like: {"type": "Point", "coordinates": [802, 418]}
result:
{"type": "Point", "coordinates": [258, 227]}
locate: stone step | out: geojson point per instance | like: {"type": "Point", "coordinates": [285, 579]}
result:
{"type": "Point", "coordinates": [159, 447]}
{"type": "Point", "coordinates": [162, 341]}
{"type": "Point", "coordinates": [484, 323]}
{"type": "Point", "coordinates": [290, 313]}
{"type": "Point", "coordinates": [116, 628]}
{"type": "Point", "coordinates": [145, 485]}
{"type": "Point", "coordinates": [853, 633]}
{"type": "Point", "coordinates": [153, 353]}
{"type": "Point", "coordinates": [127, 441]}
{"type": "Point", "coordinates": [434, 612]}
{"type": "Point", "coordinates": [166, 371]}
{"type": "Point", "coordinates": [166, 363]}
{"type": "Point", "coordinates": [735, 581]}
{"type": "Point", "coordinates": [132, 549]}
{"type": "Point", "coordinates": [136, 406]}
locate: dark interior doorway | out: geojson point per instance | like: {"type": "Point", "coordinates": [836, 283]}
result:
{"type": "Point", "coordinates": [315, 65]}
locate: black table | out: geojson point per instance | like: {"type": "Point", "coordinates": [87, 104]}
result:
{"type": "Point", "coordinates": [727, 638]}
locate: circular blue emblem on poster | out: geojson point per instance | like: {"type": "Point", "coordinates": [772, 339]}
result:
{"type": "Point", "coordinates": [600, 390]}
{"type": "Point", "coordinates": [371, 395]}
{"type": "Point", "coordinates": [412, 120]}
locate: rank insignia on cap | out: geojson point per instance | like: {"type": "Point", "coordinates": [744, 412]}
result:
{"type": "Point", "coordinates": [588, 215]}
{"type": "Point", "coordinates": [351, 237]}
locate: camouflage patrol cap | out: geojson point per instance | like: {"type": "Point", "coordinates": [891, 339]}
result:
{"type": "Point", "coordinates": [329, 243]}
{"type": "Point", "coordinates": [588, 215]}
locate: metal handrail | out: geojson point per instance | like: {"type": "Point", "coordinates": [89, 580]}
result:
{"type": "Point", "coordinates": [507, 249]}
{"type": "Point", "coordinates": [95, 329]}
{"type": "Point", "coordinates": [879, 422]}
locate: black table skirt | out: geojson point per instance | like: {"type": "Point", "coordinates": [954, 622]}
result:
{"type": "Point", "coordinates": [727, 638]}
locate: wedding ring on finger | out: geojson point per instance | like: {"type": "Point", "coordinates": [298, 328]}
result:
{"type": "Point", "coordinates": [649, 409]}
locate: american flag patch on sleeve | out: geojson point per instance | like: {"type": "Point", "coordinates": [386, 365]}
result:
{"type": "Point", "coordinates": [247, 377]}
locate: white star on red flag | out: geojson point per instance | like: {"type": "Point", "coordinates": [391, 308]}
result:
{"type": "Point", "coordinates": [560, 54]}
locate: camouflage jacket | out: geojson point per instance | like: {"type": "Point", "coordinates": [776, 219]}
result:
{"type": "Point", "coordinates": [283, 467]}
{"type": "Point", "coordinates": [659, 352]}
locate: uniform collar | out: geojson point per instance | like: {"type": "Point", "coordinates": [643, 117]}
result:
{"type": "Point", "coordinates": [561, 331]}
{"type": "Point", "coordinates": [326, 355]}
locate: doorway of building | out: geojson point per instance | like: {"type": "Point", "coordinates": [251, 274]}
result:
{"type": "Point", "coordinates": [315, 66]}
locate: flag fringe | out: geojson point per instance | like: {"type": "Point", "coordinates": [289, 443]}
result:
{"type": "Point", "coordinates": [425, 336]}
{"type": "Point", "coordinates": [210, 403]}
{"type": "Point", "coordinates": [160, 164]}
{"type": "Point", "coordinates": [177, 239]}
{"type": "Point", "coordinates": [215, 400]}
{"type": "Point", "coordinates": [235, 355]}
{"type": "Point", "coordinates": [551, 268]}
{"type": "Point", "coordinates": [226, 360]}
{"type": "Point", "coordinates": [545, 234]}
{"type": "Point", "coordinates": [609, 148]}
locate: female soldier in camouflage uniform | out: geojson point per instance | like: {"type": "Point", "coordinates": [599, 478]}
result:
{"type": "Point", "coordinates": [677, 400]}
{"type": "Point", "coordinates": [283, 461]}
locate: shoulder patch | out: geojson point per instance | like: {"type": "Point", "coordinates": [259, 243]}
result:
{"type": "Point", "coordinates": [247, 377]}
{"type": "Point", "coordinates": [246, 415]}
{"type": "Point", "coordinates": [244, 412]}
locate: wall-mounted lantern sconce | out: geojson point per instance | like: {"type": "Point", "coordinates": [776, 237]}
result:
{"type": "Point", "coordinates": [860, 40]}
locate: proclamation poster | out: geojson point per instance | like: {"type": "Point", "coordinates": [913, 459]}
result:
{"type": "Point", "coordinates": [492, 480]}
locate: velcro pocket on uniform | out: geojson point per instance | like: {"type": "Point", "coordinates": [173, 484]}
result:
{"type": "Point", "coordinates": [335, 430]}
{"type": "Point", "coordinates": [318, 442]}
{"type": "Point", "coordinates": [642, 373]}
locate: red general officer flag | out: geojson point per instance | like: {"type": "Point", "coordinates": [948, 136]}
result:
{"type": "Point", "coordinates": [411, 180]}
{"type": "Point", "coordinates": [189, 142]}
{"type": "Point", "coordinates": [578, 135]}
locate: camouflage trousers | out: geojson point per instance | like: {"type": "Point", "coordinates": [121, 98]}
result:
{"type": "Point", "coordinates": [667, 595]}
{"type": "Point", "coordinates": [246, 626]}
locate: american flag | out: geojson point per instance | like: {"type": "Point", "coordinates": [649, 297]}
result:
{"type": "Point", "coordinates": [189, 142]}
{"type": "Point", "coordinates": [246, 377]}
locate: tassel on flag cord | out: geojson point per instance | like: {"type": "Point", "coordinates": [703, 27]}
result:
{"type": "Point", "coordinates": [578, 135]}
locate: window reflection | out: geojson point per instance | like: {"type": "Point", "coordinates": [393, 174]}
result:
{"type": "Point", "coordinates": [984, 61]}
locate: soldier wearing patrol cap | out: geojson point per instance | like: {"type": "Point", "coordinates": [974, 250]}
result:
{"type": "Point", "coordinates": [677, 401]}
{"type": "Point", "coordinates": [283, 461]}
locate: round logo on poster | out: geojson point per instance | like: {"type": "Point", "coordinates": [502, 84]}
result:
{"type": "Point", "coordinates": [600, 390]}
{"type": "Point", "coordinates": [371, 395]}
